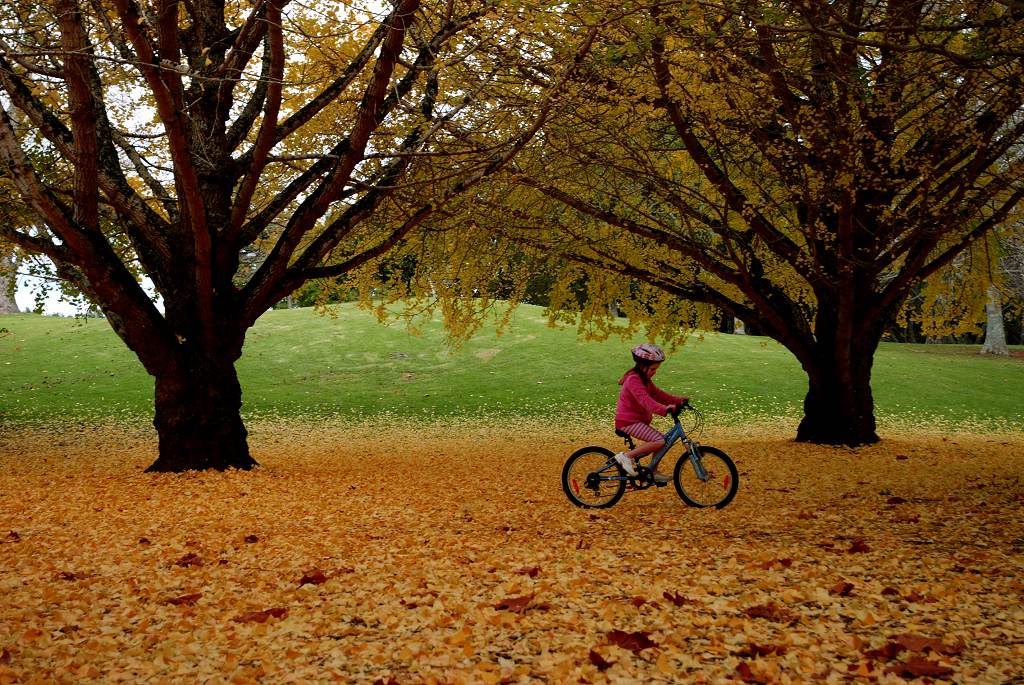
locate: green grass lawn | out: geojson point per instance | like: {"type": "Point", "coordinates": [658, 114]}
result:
{"type": "Point", "coordinates": [300, 364]}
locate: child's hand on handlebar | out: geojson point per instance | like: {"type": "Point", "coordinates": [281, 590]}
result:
{"type": "Point", "coordinates": [674, 409]}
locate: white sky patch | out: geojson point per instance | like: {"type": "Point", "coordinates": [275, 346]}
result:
{"type": "Point", "coordinates": [33, 291]}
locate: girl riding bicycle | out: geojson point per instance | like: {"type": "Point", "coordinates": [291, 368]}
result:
{"type": "Point", "coordinates": [639, 400]}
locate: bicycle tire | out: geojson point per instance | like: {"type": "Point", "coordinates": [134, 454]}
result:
{"type": "Point", "coordinates": [721, 485]}
{"type": "Point", "coordinates": [599, 494]}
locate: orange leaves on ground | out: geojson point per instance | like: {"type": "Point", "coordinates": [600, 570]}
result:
{"type": "Point", "coordinates": [919, 667]}
{"type": "Point", "coordinates": [635, 641]}
{"type": "Point", "coordinates": [773, 612]}
{"type": "Point", "coordinates": [318, 576]}
{"type": "Point", "coordinates": [190, 559]}
{"type": "Point", "coordinates": [597, 660]}
{"type": "Point", "coordinates": [916, 665]}
{"type": "Point", "coordinates": [456, 549]}
{"type": "Point", "coordinates": [186, 600]}
{"type": "Point", "coordinates": [843, 588]}
{"type": "Point", "coordinates": [314, 577]}
{"type": "Point", "coordinates": [678, 599]}
{"type": "Point", "coordinates": [776, 563]}
{"type": "Point", "coordinates": [518, 605]}
{"type": "Point", "coordinates": [745, 672]}
{"type": "Point", "coordinates": [920, 643]}
{"type": "Point", "coordinates": [261, 616]}
{"type": "Point", "coordinates": [914, 643]}
{"type": "Point", "coordinates": [859, 547]}
{"type": "Point", "coordinates": [753, 649]}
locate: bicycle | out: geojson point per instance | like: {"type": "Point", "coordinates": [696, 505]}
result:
{"type": "Point", "coordinates": [703, 476]}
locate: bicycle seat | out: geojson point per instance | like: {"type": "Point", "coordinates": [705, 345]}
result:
{"type": "Point", "coordinates": [621, 433]}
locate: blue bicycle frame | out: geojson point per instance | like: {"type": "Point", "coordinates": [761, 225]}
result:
{"type": "Point", "coordinates": [673, 435]}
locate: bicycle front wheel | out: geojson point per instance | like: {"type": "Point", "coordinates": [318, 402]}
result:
{"type": "Point", "coordinates": [592, 479]}
{"type": "Point", "coordinates": [718, 487]}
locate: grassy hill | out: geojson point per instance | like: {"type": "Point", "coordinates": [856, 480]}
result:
{"type": "Point", "coordinates": [300, 364]}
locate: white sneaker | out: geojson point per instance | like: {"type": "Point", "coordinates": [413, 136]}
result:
{"type": "Point", "coordinates": [626, 463]}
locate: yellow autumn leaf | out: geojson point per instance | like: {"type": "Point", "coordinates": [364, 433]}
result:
{"type": "Point", "coordinates": [663, 664]}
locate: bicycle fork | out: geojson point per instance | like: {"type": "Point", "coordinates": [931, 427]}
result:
{"type": "Point", "coordinates": [698, 466]}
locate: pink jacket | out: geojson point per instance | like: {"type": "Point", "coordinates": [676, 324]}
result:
{"type": "Point", "coordinates": [638, 403]}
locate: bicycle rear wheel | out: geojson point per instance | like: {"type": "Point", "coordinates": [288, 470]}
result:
{"type": "Point", "coordinates": [592, 479]}
{"type": "Point", "coordinates": [720, 486]}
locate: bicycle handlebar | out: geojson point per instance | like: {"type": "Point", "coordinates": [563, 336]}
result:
{"type": "Point", "coordinates": [685, 404]}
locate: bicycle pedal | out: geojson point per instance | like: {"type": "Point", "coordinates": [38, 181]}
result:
{"type": "Point", "coordinates": [660, 485]}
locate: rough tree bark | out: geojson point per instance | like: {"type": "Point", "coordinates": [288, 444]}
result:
{"type": "Point", "coordinates": [198, 402]}
{"type": "Point", "coordinates": [839, 408]}
{"type": "Point", "coordinates": [8, 284]}
{"type": "Point", "coordinates": [995, 331]}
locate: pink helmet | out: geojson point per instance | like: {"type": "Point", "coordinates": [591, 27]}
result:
{"type": "Point", "coordinates": [648, 352]}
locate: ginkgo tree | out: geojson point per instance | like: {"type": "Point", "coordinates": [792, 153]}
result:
{"type": "Point", "coordinates": [799, 166]}
{"type": "Point", "coordinates": [232, 151]}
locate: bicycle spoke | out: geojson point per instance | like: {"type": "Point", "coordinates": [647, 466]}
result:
{"type": "Point", "coordinates": [591, 479]}
{"type": "Point", "coordinates": [715, 487]}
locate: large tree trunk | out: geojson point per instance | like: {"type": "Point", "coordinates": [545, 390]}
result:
{"type": "Point", "coordinates": [198, 417]}
{"type": "Point", "coordinates": [8, 284]}
{"type": "Point", "coordinates": [839, 408]}
{"type": "Point", "coordinates": [995, 331]}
